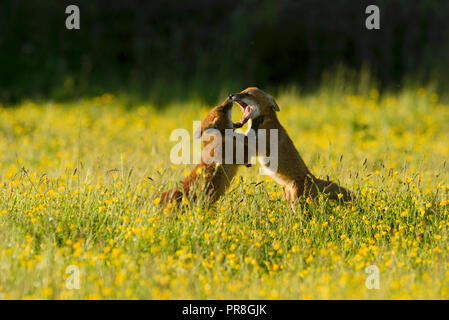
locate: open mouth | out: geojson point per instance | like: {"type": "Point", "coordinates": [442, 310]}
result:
{"type": "Point", "coordinates": [246, 114]}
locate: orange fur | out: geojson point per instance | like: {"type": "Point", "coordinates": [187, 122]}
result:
{"type": "Point", "coordinates": [217, 176]}
{"type": "Point", "coordinates": [292, 171]}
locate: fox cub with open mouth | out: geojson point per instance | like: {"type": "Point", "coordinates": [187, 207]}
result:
{"type": "Point", "coordinates": [291, 172]}
{"type": "Point", "coordinates": [215, 166]}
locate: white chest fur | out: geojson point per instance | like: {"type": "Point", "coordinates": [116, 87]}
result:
{"type": "Point", "coordinates": [265, 170]}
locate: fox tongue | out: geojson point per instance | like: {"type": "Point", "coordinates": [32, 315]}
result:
{"type": "Point", "coordinates": [246, 114]}
{"type": "Point", "coordinates": [245, 117]}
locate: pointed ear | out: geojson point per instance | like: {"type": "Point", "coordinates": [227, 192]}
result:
{"type": "Point", "coordinates": [274, 105]}
{"type": "Point", "coordinates": [199, 132]}
{"type": "Point", "coordinates": [211, 126]}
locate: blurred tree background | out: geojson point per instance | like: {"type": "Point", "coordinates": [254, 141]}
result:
{"type": "Point", "coordinates": [163, 50]}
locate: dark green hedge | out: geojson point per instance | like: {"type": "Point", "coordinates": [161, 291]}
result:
{"type": "Point", "coordinates": [163, 49]}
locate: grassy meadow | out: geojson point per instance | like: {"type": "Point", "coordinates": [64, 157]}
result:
{"type": "Point", "coordinates": [79, 186]}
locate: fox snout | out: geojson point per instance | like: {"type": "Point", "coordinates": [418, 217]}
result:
{"type": "Point", "coordinates": [229, 102]}
{"type": "Point", "coordinates": [238, 96]}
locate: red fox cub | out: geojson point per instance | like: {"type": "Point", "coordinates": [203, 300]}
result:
{"type": "Point", "coordinates": [291, 171]}
{"type": "Point", "coordinates": [217, 172]}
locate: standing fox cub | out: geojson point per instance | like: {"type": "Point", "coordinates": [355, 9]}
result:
{"type": "Point", "coordinates": [292, 172]}
{"type": "Point", "coordinates": [217, 172]}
